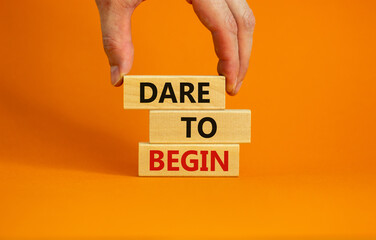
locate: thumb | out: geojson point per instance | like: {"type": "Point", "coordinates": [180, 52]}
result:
{"type": "Point", "coordinates": [115, 18]}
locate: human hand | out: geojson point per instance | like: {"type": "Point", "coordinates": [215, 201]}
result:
{"type": "Point", "coordinates": [231, 23]}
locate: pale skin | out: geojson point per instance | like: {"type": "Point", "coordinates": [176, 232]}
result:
{"type": "Point", "coordinates": [231, 23]}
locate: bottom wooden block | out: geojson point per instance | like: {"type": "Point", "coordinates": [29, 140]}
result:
{"type": "Point", "coordinates": [188, 159]}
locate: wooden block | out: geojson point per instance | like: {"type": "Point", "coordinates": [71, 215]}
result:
{"type": "Point", "coordinates": [200, 126]}
{"type": "Point", "coordinates": [174, 92]}
{"type": "Point", "coordinates": [188, 159]}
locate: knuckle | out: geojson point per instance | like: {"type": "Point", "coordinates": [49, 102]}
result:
{"type": "Point", "coordinates": [230, 23]}
{"type": "Point", "coordinates": [248, 19]}
{"type": "Point", "coordinates": [110, 44]}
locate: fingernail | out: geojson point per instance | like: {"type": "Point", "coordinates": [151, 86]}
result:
{"type": "Point", "coordinates": [230, 88]}
{"type": "Point", "coordinates": [237, 88]}
{"type": "Point", "coordinates": [115, 75]}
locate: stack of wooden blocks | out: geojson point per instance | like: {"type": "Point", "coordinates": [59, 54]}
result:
{"type": "Point", "coordinates": [190, 132]}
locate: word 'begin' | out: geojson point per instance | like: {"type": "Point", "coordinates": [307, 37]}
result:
{"type": "Point", "coordinates": [190, 160]}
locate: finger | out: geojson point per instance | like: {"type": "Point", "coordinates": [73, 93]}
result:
{"type": "Point", "coordinates": [115, 18]}
{"type": "Point", "coordinates": [217, 17]}
{"type": "Point", "coordinates": [245, 21]}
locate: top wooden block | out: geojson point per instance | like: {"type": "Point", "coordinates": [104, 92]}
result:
{"type": "Point", "coordinates": [174, 92]}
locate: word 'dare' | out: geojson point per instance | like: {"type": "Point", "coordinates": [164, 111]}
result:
{"type": "Point", "coordinates": [185, 91]}
{"type": "Point", "coordinates": [190, 160]}
{"type": "Point", "coordinates": [174, 92]}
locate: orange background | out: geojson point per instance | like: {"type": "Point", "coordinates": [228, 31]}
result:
{"type": "Point", "coordinates": [68, 150]}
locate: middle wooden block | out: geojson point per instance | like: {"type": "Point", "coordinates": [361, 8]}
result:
{"type": "Point", "coordinates": [200, 126]}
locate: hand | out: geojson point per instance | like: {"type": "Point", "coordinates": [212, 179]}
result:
{"type": "Point", "coordinates": [231, 23]}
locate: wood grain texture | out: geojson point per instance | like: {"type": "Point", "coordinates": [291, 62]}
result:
{"type": "Point", "coordinates": [188, 159]}
{"type": "Point", "coordinates": [178, 126]}
{"type": "Point", "coordinates": [216, 92]}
